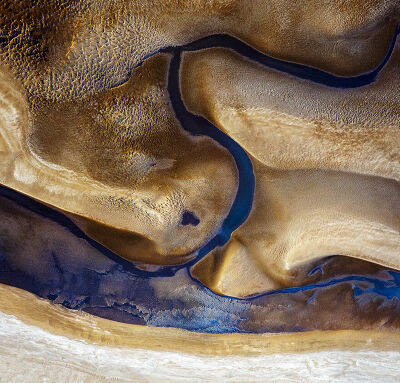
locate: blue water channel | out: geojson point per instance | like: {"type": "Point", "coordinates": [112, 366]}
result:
{"type": "Point", "coordinates": [388, 287]}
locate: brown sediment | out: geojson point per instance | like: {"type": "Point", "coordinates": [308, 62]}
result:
{"type": "Point", "coordinates": [53, 261]}
{"type": "Point", "coordinates": [326, 163]}
{"type": "Point", "coordinates": [120, 159]}
{"type": "Point", "coordinates": [78, 144]}
{"type": "Point", "coordinates": [126, 244]}
{"type": "Point", "coordinates": [288, 123]}
{"type": "Point", "coordinates": [77, 325]}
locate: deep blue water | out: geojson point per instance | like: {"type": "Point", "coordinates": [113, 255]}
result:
{"type": "Point", "coordinates": [199, 126]}
{"type": "Point", "coordinates": [291, 68]}
{"type": "Point", "coordinates": [74, 289]}
{"type": "Point", "coordinates": [189, 218]}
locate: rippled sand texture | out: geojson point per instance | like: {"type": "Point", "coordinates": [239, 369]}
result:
{"type": "Point", "coordinates": [56, 263]}
{"type": "Point", "coordinates": [97, 137]}
{"type": "Point", "coordinates": [120, 158]}
{"type": "Point", "coordinates": [95, 165]}
{"type": "Point", "coordinates": [326, 161]}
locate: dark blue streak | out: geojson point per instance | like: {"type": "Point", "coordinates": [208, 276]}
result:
{"type": "Point", "coordinates": [197, 125]}
{"type": "Point", "coordinates": [47, 212]}
{"type": "Point", "coordinates": [386, 288]}
{"type": "Point", "coordinates": [294, 69]}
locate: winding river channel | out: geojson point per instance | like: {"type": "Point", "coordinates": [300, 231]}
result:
{"type": "Point", "coordinates": [144, 306]}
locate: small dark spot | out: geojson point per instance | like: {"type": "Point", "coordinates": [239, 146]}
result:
{"type": "Point", "coordinates": [52, 297]}
{"type": "Point", "coordinates": [189, 218]}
